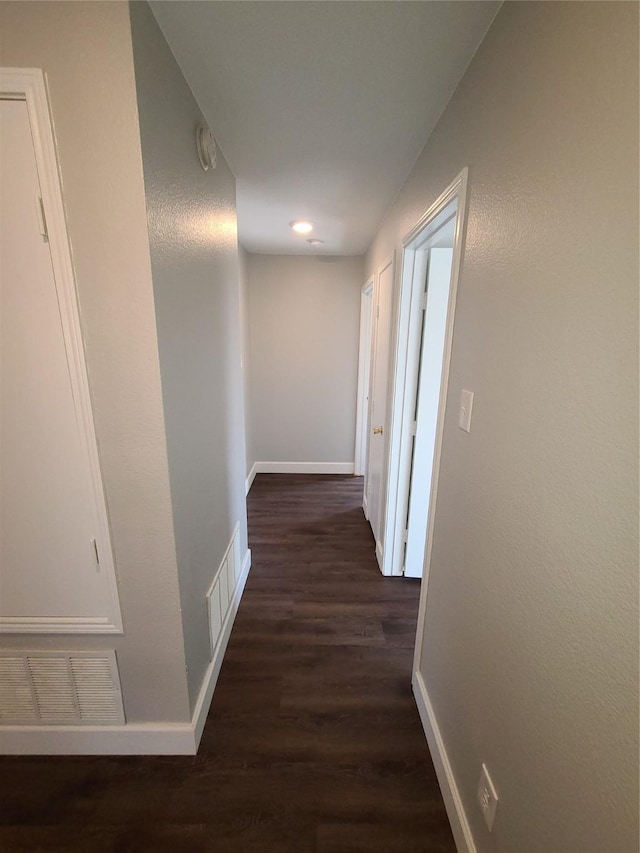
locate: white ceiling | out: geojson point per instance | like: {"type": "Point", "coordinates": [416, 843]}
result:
{"type": "Point", "coordinates": [321, 108]}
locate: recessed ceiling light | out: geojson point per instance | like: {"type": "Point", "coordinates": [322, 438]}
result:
{"type": "Point", "coordinates": [315, 242]}
{"type": "Point", "coordinates": [301, 226]}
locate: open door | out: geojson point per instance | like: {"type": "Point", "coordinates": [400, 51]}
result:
{"type": "Point", "coordinates": [375, 477]}
{"type": "Point", "coordinates": [427, 396]}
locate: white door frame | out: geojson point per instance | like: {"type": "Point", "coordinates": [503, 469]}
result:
{"type": "Point", "coordinates": [364, 375]}
{"type": "Point", "coordinates": [29, 85]}
{"type": "Point", "coordinates": [404, 378]}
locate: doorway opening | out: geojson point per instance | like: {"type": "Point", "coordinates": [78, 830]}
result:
{"type": "Point", "coordinates": [430, 266]}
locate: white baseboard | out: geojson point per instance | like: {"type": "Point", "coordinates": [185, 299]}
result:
{"type": "Point", "coordinates": [130, 738]}
{"type": "Point", "coordinates": [250, 477]}
{"type": "Point", "coordinates": [304, 467]}
{"type": "Point", "coordinates": [365, 507]}
{"type": "Point", "coordinates": [380, 555]}
{"type": "Point", "coordinates": [450, 794]}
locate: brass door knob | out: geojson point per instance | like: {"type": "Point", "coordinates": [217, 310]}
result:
{"type": "Point", "coordinates": [377, 430]}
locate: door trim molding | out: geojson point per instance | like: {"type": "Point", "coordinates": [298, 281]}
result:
{"type": "Point", "coordinates": [29, 84]}
{"type": "Point", "coordinates": [398, 487]}
{"type": "Point", "coordinates": [460, 188]}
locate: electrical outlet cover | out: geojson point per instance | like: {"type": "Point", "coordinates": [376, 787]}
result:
{"type": "Point", "coordinates": [487, 797]}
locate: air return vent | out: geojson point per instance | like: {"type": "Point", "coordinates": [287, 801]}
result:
{"type": "Point", "coordinates": [222, 590]}
{"type": "Point", "coordinates": [60, 688]}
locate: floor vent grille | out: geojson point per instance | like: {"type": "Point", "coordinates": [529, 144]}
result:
{"type": "Point", "coordinates": [60, 688]}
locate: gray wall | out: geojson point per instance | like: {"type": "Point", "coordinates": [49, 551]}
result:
{"type": "Point", "coordinates": [246, 354]}
{"type": "Point", "coordinates": [194, 258]}
{"type": "Point", "coordinates": [304, 316]}
{"type": "Point", "coordinates": [530, 651]}
{"type": "Point", "coordinates": [85, 50]}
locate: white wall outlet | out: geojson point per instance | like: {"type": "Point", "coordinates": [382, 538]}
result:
{"type": "Point", "coordinates": [464, 415]}
{"type": "Point", "coordinates": [487, 797]}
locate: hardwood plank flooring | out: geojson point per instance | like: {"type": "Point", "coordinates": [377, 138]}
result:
{"type": "Point", "coordinates": [313, 743]}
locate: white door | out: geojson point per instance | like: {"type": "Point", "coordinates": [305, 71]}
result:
{"type": "Point", "coordinates": [427, 401]}
{"type": "Point", "coordinates": [51, 577]}
{"type": "Point", "coordinates": [378, 403]}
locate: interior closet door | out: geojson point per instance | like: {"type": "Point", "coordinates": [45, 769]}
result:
{"type": "Point", "coordinates": [427, 401]}
{"type": "Point", "coordinates": [378, 404]}
{"type": "Point", "coordinates": [52, 575]}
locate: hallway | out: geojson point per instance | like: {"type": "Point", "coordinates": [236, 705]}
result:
{"type": "Point", "coordinates": [313, 716]}
{"type": "Point", "coordinates": [313, 743]}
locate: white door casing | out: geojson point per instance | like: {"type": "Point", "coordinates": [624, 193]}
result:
{"type": "Point", "coordinates": [56, 565]}
{"type": "Point", "coordinates": [451, 207]}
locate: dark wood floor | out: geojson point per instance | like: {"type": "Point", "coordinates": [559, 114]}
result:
{"type": "Point", "coordinates": [313, 743]}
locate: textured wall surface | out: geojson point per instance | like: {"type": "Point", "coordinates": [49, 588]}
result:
{"type": "Point", "coordinates": [243, 276]}
{"type": "Point", "coordinates": [194, 258]}
{"type": "Point", "coordinates": [304, 315]}
{"type": "Point", "coordinates": [530, 649]}
{"type": "Point", "coordinates": [85, 51]}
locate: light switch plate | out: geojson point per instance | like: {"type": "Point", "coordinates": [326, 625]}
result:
{"type": "Point", "coordinates": [466, 405]}
{"type": "Point", "coordinates": [487, 797]}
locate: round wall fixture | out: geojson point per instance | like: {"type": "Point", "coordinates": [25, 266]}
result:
{"type": "Point", "coordinates": [206, 146]}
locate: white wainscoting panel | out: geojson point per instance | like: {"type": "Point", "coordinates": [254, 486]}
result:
{"type": "Point", "coordinates": [211, 677]}
{"type": "Point", "coordinates": [214, 609]}
{"type": "Point", "coordinates": [221, 593]}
